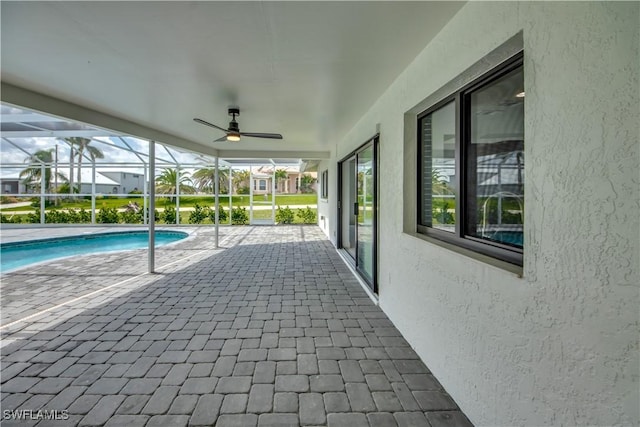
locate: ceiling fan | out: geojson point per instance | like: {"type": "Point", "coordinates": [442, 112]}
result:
{"type": "Point", "coordinates": [233, 133]}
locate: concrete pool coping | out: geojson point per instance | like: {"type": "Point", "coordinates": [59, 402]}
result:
{"type": "Point", "coordinates": [24, 234]}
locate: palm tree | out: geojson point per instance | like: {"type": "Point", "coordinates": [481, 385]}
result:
{"type": "Point", "coordinates": [281, 175]}
{"type": "Point", "coordinates": [81, 145]}
{"type": "Point", "coordinates": [241, 179]}
{"type": "Point", "coordinates": [33, 174]}
{"type": "Point", "coordinates": [166, 182]}
{"type": "Point", "coordinates": [204, 179]}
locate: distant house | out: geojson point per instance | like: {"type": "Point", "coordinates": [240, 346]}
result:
{"type": "Point", "coordinates": [262, 180]}
{"type": "Point", "coordinates": [108, 182]}
{"type": "Point", "coordinates": [11, 185]}
{"type": "Point", "coordinates": [126, 181]}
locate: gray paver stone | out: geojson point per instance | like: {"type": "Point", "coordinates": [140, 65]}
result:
{"type": "Point", "coordinates": [237, 420]}
{"type": "Point", "coordinates": [296, 383]}
{"type": "Point", "coordinates": [107, 386]}
{"type": "Point", "coordinates": [141, 386]}
{"type": "Point", "coordinates": [234, 403]}
{"type": "Point", "coordinates": [207, 410]}
{"type": "Point", "coordinates": [177, 375]}
{"type": "Point", "coordinates": [184, 404]}
{"type": "Point", "coordinates": [127, 421]}
{"type": "Point", "coordinates": [224, 366]}
{"type": "Point", "coordinates": [161, 400]}
{"type": "Point", "coordinates": [336, 402]}
{"type": "Point", "coordinates": [133, 405]}
{"type": "Point", "coordinates": [233, 385]}
{"type": "Point", "coordinates": [51, 386]}
{"type": "Point", "coordinates": [278, 420]}
{"type": "Point", "coordinates": [350, 419]}
{"type": "Point", "coordinates": [260, 398]}
{"type": "Point", "coordinates": [434, 401]}
{"type": "Point", "coordinates": [386, 401]}
{"type": "Point", "coordinates": [102, 411]}
{"type": "Point", "coordinates": [19, 384]}
{"type": "Point", "coordinates": [411, 419]}
{"type": "Point", "coordinates": [285, 402]}
{"type": "Point", "coordinates": [448, 419]}
{"type": "Point", "coordinates": [407, 400]}
{"type": "Point", "coordinates": [307, 364]}
{"type": "Point", "coordinates": [351, 371]}
{"type": "Point", "coordinates": [83, 404]}
{"type": "Point", "coordinates": [168, 420]}
{"type": "Point", "coordinates": [199, 385]}
{"type": "Point", "coordinates": [324, 383]}
{"type": "Point", "coordinates": [312, 410]}
{"type": "Point", "coordinates": [360, 397]}
{"type": "Point", "coordinates": [419, 382]}
{"type": "Point", "coordinates": [381, 419]}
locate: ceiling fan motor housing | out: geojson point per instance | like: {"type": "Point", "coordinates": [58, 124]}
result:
{"type": "Point", "coordinates": [233, 125]}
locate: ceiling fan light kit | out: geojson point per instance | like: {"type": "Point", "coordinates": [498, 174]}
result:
{"type": "Point", "coordinates": [233, 133]}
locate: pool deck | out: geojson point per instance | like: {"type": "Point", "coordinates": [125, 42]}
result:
{"type": "Point", "coordinates": [271, 329]}
{"type": "Point", "coordinates": [21, 233]}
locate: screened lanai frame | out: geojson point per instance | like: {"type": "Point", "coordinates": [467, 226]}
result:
{"type": "Point", "coordinates": [19, 124]}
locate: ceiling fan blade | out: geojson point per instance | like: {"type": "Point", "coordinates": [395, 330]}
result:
{"type": "Point", "coordinates": [202, 122]}
{"type": "Point", "coordinates": [224, 138]}
{"type": "Point", "coordinates": [262, 135]}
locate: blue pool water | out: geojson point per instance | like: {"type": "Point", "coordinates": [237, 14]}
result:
{"type": "Point", "coordinates": [20, 254]}
{"type": "Point", "coordinates": [514, 238]}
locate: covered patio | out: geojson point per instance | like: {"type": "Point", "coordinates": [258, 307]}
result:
{"type": "Point", "coordinates": [477, 167]}
{"type": "Point", "coordinates": [272, 328]}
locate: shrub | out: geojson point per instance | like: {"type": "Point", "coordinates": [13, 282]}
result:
{"type": "Point", "coordinates": [79, 216]}
{"type": "Point", "coordinates": [284, 216]}
{"type": "Point", "coordinates": [131, 217]}
{"type": "Point", "coordinates": [33, 218]}
{"type": "Point", "coordinates": [243, 190]}
{"type": "Point", "coordinates": [169, 215]}
{"type": "Point", "coordinates": [12, 219]}
{"type": "Point", "coordinates": [198, 214]}
{"type": "Point", "coordinates": [108, 216]}
{"type": "Point", "coordinates": [56, 217]}
{"type": "Point", "coordinates": [307, 215]}
{"type": "Point", "coordinates": [441, 212]}
{"type": "Point", "coordinates": [222, 216]}
{"type": "Point", "coordinates": [239, 216]}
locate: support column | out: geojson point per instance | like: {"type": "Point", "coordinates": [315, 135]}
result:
{"type": "Point", "coordinates": [177, 194]}
{"type": "Point", "coordinates": [230, 192]}
{"type": "Point", "coordinates": [216, 186]}
{"type": "Point", "coordinates": [43, 171]}
{"type": "Point", "coordinates": [145, 189]}
{"type": "Point", "coordinates": [93, 192]}
{"type": "Point", "coordinates": [152, 207]}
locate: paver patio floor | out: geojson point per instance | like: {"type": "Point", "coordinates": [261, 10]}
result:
{"type": "Point", "coordinates": [271, 330]}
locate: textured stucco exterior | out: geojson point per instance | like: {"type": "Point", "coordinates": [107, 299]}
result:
{"type": "Point", "coordinates": [558, 345]}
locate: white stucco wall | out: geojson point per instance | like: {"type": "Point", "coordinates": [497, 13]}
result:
{"type": "Point", "coordinates": [327, 207]}
{"type": "Point", "coordinates": [558, 346]}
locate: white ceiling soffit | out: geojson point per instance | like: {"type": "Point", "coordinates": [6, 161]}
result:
{"type": "Point", "coordinates": [307, 70]}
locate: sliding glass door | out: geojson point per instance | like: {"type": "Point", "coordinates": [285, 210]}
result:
{"type": "Point", "coordinates": [358, 209]}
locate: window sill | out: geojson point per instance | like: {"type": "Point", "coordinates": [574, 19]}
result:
{"type": "Point", "coordinates": [484, 259]}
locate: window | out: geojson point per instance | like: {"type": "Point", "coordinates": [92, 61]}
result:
{"type": "Point", "coordinates": [324, 185]}
{"type": "Point", "coordinates": [263, 185]}
{"type": "Point", "coordinates": [471, 165]}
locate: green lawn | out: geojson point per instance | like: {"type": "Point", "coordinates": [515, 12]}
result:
{"type": "Point", "coordinates": [185, 201]}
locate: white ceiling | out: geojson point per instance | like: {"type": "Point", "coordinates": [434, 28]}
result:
{"type": "Point", "coordinates": [307, 70]}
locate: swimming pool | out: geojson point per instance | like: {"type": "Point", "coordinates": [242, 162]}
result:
{"type": "Point", "coordinates": [20, 254]}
